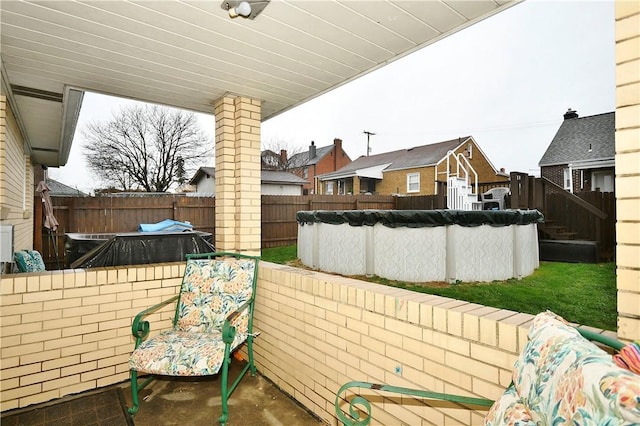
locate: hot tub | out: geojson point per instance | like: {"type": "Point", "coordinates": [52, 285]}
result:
{"type": "Point", "coordinates": [421, 245]}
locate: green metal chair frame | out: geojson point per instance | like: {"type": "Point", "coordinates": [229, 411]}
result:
{"type": "Point", "coordinates": [360, 408]}
{"type": "Point", "coordinates": [140, 329]}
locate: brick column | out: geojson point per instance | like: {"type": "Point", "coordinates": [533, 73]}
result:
{"type": "Point", "coordinates": [628, 167]}
{"type": "Point", "coordinates": [248, 199]}
{"type": "Point", "coordinates": [238, 203]}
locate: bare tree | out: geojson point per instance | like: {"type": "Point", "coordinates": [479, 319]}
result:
{"type": "Point", "coordinates": [280, 155]}
{"type": "Point", "coordinates": [145, 147]}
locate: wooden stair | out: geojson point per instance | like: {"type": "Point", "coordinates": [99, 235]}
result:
{"type": "Point", "coordinates": [549, 231]}
{"type": "Point", "coordinates": [558, 244]}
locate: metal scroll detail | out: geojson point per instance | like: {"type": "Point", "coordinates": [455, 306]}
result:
{"type": "Point", "coordinates": [359, 412]}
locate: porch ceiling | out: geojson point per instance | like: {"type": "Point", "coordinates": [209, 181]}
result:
{"type": "Point", "coordinates": [187, 54]}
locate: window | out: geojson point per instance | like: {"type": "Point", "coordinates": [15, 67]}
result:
{"type": "Point", "coordinates": [567, 179]}
{"type": "Point", "coordinates": [413, 182]}
{"type": "Point", "coordinates": [329, 187]}
{"type": "Point", "coordinates": [602, 181]}
{"type": "Point", "coordinates": [305, 173]}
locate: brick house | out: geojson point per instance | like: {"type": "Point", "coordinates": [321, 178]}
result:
{"type": "Point", "coordinates": [412, 171]}
{"type": "Point", "coordinates": [316, 161]}
{"type": "Point", "coordinates": [581, 155]}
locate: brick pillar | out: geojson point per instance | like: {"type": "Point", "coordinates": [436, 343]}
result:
{"type": "Point", "coordinates": [248, 199]}
{"type": "Point", "coordinates": [628, 167]}
{"type": "Point", "coordinates": [238, 200]}
{"type": "Point", "coordinates": [356, 185]}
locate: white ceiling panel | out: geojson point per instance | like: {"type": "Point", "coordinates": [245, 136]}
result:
{"type": "Point", "coordinates": [188, 53]}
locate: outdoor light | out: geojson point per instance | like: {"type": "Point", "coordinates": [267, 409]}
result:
{"type": "Point", "coordinates": [243, 9]}
{"type": "Point", "coordinates": [246, 8]}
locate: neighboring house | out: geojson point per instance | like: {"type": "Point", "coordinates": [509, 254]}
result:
{"type": "Point", "coordinates": [204, 181]}
{"type": "Point", "coordinates": [317, 161]}
{"type": "Point", "coordinates": [59, 189]}
{"type": "Point", "coordinates": [413, 171]}
{"type": "Point", "coordinates": [272, 182]}
{"type": "Point", "coordinates": [581, 156]}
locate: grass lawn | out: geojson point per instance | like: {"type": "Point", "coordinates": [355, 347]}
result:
{"type": "Point", "coordinates": [584, 293]}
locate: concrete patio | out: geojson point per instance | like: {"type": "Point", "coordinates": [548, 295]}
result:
{"type": "Point", "coordinates": [256, 402]}
{"type": "Point", "coordinates": [172, 401]}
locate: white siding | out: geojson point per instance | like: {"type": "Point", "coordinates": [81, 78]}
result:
{"type": "Point", "coordinates": [280, 189]}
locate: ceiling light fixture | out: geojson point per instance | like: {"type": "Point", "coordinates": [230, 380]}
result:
{"type": "Point", "coordinates": [246, 8]}
{"type": "Point", "coordinates": [242, 9]}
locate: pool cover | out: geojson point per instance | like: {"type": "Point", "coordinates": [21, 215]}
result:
{"type": "Point", "coordinates": [144, 248]}
{"type": "Point", "coordinates": [421, 218]}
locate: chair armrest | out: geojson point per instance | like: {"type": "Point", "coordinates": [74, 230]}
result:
{"type": "Point", "coordinates": [358, 405]}
{"type": "Point", "coordinates": [228, 330]}
{"type": "Point", "coordinates": [139, 328]}
{"type": "Point", "coordinates": [599, 338]}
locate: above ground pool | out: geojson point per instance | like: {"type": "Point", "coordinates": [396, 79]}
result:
{"type": "Point", "coordinates": [421, 245]}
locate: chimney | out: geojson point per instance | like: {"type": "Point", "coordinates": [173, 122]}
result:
{"type": "Point", "coordinates": [283, 156]}
{"type": "Point", "coordinates": [337, 144]}
{"type": "Point", "coordinates": [570, 114]}
{"type": "Point", "coordinates": [312, 150]}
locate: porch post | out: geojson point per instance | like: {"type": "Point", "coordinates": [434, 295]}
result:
{"type": "Point", "coordinates": [627, 185]}
{"type": "Point", "coordinates": [238, 203]}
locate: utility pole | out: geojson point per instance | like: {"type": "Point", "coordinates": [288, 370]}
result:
{"type": "Point", "coordinates": [369, 134]}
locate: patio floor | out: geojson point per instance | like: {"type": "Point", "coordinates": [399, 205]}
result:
{"type": "Point", "coordinates": [184, 401]}
{"type": "Point", "coordinates": [176, 401]}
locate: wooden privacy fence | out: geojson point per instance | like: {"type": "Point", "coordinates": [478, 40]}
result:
{"type": "Point", "coordinates": [589, 215]}
{"type": "Point", "coordinates": [117, 214]}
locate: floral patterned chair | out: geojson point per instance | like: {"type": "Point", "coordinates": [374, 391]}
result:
{"type": "Point", "coordinates": [562, 379]}
{"type": "Point", "coordinates": [213, 317]}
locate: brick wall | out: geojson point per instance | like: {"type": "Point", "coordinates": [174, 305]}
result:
{"type": "Point", "coordinates": [627, 28]}
{"type": "Point", "coordinates": [395, 182]}
{"type": "Point", "coordinates": [320, 331]}
{"type": "Point", "coordinates": [65, 332]}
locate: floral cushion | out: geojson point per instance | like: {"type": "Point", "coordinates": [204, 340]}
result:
{"type": "Point", "coordinates": [563, 379]}
{"type": "Point", "coordinates": [211, 290]}
{"type": "Point", "coordinates": [29, 261]}
{"type": "Point", "coordinates": [181, 353]}
{"type": "Point", "coordinates": [510, 410]}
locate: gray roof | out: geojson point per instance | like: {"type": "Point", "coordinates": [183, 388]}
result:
{"type": "Point", "coordinates": [276, 176]}
{"type": "Point", "coordinates": [302, 159]}
{"type": "Point", "coordinates": [59, 189]}
{"type": "Point", "coordinates": [203, 171]}
{"type": "Point", "coordinates": [266, 176]}
{"type": "Point", "coordinates": [419, 156]}
{"type": "Point", "coordinates": [582, 139]}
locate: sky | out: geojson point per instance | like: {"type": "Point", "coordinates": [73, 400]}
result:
{"type": "Point", "coordinates": [506, 81]}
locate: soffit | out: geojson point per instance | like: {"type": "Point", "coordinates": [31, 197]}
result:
{"type": "Point", "coordinates": [187, 54]}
